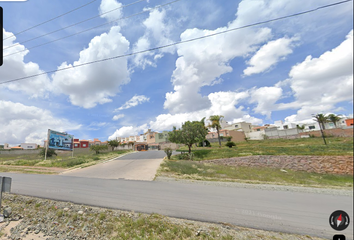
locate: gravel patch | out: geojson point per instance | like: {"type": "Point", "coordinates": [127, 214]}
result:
{"type": "Point", "coordinates": [336, 192]}
{"type": "Point", "coordinates": [36, 218]}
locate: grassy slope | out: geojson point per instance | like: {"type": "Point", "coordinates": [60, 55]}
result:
{"type": "Point", "coordinates": [63, 160]}
{"type": "Point", "coordinates": [313, 146]}
{"type": "Point", "coordinates": [307, 146]}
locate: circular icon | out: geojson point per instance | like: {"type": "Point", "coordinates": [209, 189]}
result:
{"type": "Point", "coordinates": [339, 220]}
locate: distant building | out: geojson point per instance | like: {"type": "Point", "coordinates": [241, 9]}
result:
{"type": "Point", "coordinates": [240, 126]}
{"type": "Point", "coordinates": [29, 145]}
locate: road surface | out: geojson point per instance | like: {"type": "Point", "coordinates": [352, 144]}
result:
{"type": "Point", "coordinates": [133, 166]}
{"type": "Point", "coordinates": [283, 211]}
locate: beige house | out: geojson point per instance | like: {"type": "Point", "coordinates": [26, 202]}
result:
{"type": "Point", "coordinates": [240, 126]}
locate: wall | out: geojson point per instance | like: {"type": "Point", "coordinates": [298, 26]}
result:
{"type": "Point", "coordinates": [237, 136]}
{"type": "Point", "coordinates": [336, 132]}
{"type": "Point", "coordinates": [19, 152]}
{"type": "Point", "coordinates": [174, 146]}
{"type": "Point", "coordinates": [257, 135]}
{"type": "Point", "coordinates": [318, 164]}
{"type": "Point", "coordinates": [273, 132]}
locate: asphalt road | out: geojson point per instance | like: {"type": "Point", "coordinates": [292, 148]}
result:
{"type": "Point", "coordinates": [133, 166]}
{"type": "Point", "coordinates": [283, 211]}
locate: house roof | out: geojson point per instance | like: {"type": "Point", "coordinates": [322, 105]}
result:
{"type": "Point", "coordinates": [16, 148]}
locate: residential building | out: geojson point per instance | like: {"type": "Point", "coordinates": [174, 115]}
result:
{"type": "Point", "coordinates": [29, 145]}
{"type": "Point", "coordinates": [76, 143]}
{"type": "Point", "coordinates": [240, 126]}
{"type": "Point", "coordinates": [6, 146]}
{"type": "Point", "coordinates": [17, 148]}
{"type": "Point", "coordinates": [281, 126]}
{"type": "Point", "coordinates": [349, 122]}
{"type": "Point", "coordinates": [150, 136]}
{"type": "Point", "coordinates": [161, 137]}
{"type": "Point", "coordinates": [84, 143]}
{"type": "Point", "coordinates": [96, 141]}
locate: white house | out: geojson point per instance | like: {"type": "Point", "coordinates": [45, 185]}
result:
{"type": "Point", "coordinates": [29, 145]}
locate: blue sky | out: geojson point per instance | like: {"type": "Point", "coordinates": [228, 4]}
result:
{"type": "Point", "coordinates": [284, 70]}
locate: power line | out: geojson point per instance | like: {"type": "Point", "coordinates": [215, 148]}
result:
{"type": "Point", "coordinates": [74, 24]}
{"type": "Point", "coordinates": [58, 39]}
{"type": "Point", "coordinates": [18, 33]}
{"type": "Point", "coordinates": [180, 42]}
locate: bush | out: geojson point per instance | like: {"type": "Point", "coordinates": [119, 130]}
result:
{"type": "Point", "coordinates": [98, 148]}
{"type": "Point", "coordinates": [168, 152]}
{"type": "Point", "coordinates": [230, 144]}
{"type": "Point", "coordinates": [228, 139]}
{"type": "Point", "coordinates": [50, 152]}
{"type": "Point", "coordinates": [183, 156]}
{"type": "Point", "coordinates": [206, 143]}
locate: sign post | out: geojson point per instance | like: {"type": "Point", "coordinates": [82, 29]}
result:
{"type": "Point", "coordinates": [5, 186]}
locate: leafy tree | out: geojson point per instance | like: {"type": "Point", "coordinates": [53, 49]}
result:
{"type": "Point", "coordinates": [321, 119]}
{"type": "Point", "coordinates": [333, 118]}
{"type": "Point", "coordinates": [168, 152]}
{"type": "Point", "coordinates": [50, 152]}
{"type": "Point", "coordinates": [98, 148]}
{"type": "Point", "coordinates": [215, 123]}
{"type": "Point", "coordinates": [190, 133]}
{"type": "Point", "coordinates": [113, 143]}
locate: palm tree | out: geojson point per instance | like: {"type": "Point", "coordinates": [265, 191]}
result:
{"type": "Point", "coordinates": [321, 119]}
{"type": "Point", "coordinates": [215, 123]}
{"type": "Point", "coordinates": [334, 119]}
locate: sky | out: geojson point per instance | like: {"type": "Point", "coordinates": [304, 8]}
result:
{"type": "Point", "coordinates": [286, 70]}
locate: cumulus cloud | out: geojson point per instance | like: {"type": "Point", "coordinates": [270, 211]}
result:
{"type": "Point", "coordinates": [14, 66]}
{"type": "Point", "coordinates": [318, 84]}
{"type": "Point", "coordinates": [265, 97]}
{"type": "Point", "coordinates": [202, 62]}
{"type": "Point", "coordinates": [157, 33]}
{"type": "Point", "coordinates": [117, 117]}
{"type": "Point", "coordinates": [94, 84]}
{"type": "Point", "coordinates": [127, 131]}
{"type": "Point", "coordinates": [269, 55]}
{"type": "Point", "coordinates": [21, 123]}
{"type": "Point", "coordinates": [107, 8]}
{"type": "Point", "coordinates": [134, 101]}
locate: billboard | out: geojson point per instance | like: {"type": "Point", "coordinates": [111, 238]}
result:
{"type": "Point", "coordinates": [60, 141]}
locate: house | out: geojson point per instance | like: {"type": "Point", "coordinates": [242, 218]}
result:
{"type": "Point", "coordinates": [29, 145]}
{"type": "Point", "coordinates": [84, 143]}
{"type": "Point", "coordinates": [17, 148]}
{"type": "Point", "coordinates": [96, 141]}
{"type": "Point", "coordinates": [6, 146]}
{"type": "Point", "coordinates": [150, 136]}
{"type": "Point", "coordinates": [161, 137]}
{"type": "Point", "coordinates": [349, 122]}
{"type": "Point", "coordinates": [240, 126]}
{"type": "Point", "coordinates": [76, 143]}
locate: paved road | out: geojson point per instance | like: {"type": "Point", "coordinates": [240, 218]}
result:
{"type": "Point", "coordinates": [133, 166]}
{"type": "Point", "coordinates": [294, 212]}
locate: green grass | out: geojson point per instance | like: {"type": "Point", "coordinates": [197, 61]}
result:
{"type": "Point", "coordinates": [201, 171]}
{"type": "Point", "coordinates": [62, 160]}
{"type": "Point", "coordinates": [305, 146]}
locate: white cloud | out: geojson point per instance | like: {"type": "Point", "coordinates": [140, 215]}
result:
{"type": "Point", "coordinates": [318, 84]}
{"type": "Point", "coordinates": [265, 97]}
{"type": "Point", "coordinates": [269, 55]}
{"type": "Point", "coordinates": [15, 67]}
{"type": "Point", "coordinates": [117, 117]}
{"type": "Point", "coordinates": [202, 62]}
{"type": "Point", "coordinates": [94, 84]}
{"type": "Point", "coordinates": [157, 33]}
{"type": "Point", "coordinates": [21, 123]}
{"type": "Point", "coordinates": [133, 102]}
{"type": "Point", "coordinates": [127, 131]}
{"type": "Point", "coordinates": [109, 6]}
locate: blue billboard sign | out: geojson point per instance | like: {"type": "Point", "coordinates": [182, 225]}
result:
{"type": "Point", "coordinates": [60, 141]}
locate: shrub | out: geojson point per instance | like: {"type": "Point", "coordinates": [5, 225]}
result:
{"type": "Point", "coordinates": [50, 152]}
{"type": "Point", "coordinates": [206, 143]}
{"type": "Point", "coordinates": [168, 152]}
{"type": "Point", "coordinates": [228, 139]}
{"type": "Point", "coordinates": [230, 144]}
{"type": "Point", "coordinates": [98, 148]}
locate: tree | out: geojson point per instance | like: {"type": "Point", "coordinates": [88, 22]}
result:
{"type": "Point", "coordinates": [98, 148]}
{"type": "Point", "coordinates": [321, 119]}
{"type": "Point", "coordinates": [113, 144]}
{"type": "Point", "coordinates": [302, 127]}
{"type": "Point", "coordinates": [168, 152]}
{"type": "Point", "coordinates": [215, 123]}
{"type": "Point", "coordinates": [190, 133]}
{"type": "Point", "coordinates": [333, 118]}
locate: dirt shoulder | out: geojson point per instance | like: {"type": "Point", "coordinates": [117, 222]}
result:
{"type": "Point", "coordinates": [35, 218]}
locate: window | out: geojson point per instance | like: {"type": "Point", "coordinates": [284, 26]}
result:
{"type": "Point", "coordinates": [312, 127]}
{"type": "Point", "coordinates": [286, 127]}
{"type": "Point", "coordinates": [29, 146]}
{"type": "Point", "coordinates": [258, 130]}
{"type": "Point", "coordinates": [236, 125]}
{"type": "Point", "coordinates": [84, 145]}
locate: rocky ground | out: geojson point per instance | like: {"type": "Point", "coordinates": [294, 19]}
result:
{"type": "Point", "coordinates": [35, 218]}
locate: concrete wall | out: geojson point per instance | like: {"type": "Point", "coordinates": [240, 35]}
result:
{"type": "Point", "coordinates": [258, 135]}
{"type": "Point", "coordinates": [318, 164]}
{"type": "Point", "coordinates": [20, 152]}
{"type": "Point", "coordinates": [173, 146]}
{"type": "Point", "coordinates": [336, 132]}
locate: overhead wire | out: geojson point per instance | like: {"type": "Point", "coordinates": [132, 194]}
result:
{"type": "Point", "coordinates": [77, 23]}
{"type": "Point", "coordinates": [180, 42]}
{"type": "Point", "coordinates": [49, 20]}
{"type": "Point", "coordinates": [86, 30]}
